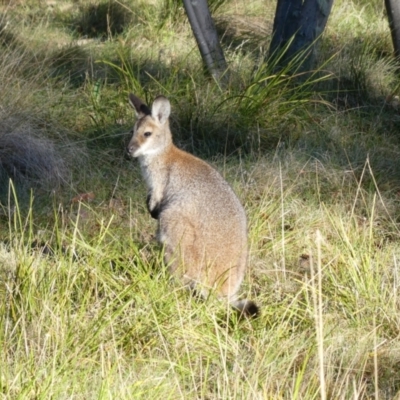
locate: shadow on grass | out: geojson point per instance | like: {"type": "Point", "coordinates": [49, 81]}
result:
{"type": "Point", "coordinates": [100, 21]}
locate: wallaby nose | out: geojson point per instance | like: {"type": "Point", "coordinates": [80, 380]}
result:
{"type": "Point", "coordinates": [129, 150]}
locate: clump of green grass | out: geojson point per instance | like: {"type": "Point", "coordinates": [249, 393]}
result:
{"type": "Point", "coordinates": [87, 306]}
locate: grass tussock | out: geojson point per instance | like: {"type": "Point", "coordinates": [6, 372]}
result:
{"type": "Point", "coordinates": [25, 156]}
{"type": "Point", "coordinates": [87, 307]}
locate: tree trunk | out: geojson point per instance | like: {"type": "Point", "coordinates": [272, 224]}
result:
{"type": "Point", "coordinates": [297, 26]}
{"type": "Point", "coordinates": [393, 12]}
{"type": "Point", "coordinates": [206, 36]}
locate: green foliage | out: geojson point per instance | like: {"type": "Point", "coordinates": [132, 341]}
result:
{"type": "Point", "coordinates": [87, 306]}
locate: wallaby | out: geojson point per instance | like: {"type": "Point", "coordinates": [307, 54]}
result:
{"type": "Point", "coordinates": [201, 222]}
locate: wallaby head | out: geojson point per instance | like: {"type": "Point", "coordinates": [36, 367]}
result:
{"type": "Point", "coordinates": [151, 134]}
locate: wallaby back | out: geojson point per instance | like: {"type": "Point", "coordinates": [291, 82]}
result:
{"type": "Point", "coordinates": [201, 222]}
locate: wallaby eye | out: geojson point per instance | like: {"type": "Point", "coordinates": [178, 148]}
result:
{"type": "Point", "coordinates": [147, 134]}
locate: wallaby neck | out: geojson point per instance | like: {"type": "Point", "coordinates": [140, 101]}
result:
{"type": "Point", "coordinates": [156, 157]}
{"type": "Point", "coordinates": [155, 167]}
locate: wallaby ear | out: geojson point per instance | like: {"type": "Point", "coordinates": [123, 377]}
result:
{"type": "Point", "coordinates": [140, 108]}
{"type": "Point", "coordinates": [161, 109]}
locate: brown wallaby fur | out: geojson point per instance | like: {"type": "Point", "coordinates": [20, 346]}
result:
{"type": "Point", "coordinates": [201, 222]}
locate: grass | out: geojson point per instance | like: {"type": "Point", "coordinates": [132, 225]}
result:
{"type": "Point", "coordinates": [87, 307]}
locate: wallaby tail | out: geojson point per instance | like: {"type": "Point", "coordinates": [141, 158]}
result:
{"type": "Point", "coordinates": [246, 308]}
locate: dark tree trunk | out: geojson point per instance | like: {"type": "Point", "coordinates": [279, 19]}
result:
{"type": "Point", "coordinates": [393, 12]}
{"type": "Point", "coordinates": [206, 36]}
{"type": "Point", "coordinates": [297, 26]}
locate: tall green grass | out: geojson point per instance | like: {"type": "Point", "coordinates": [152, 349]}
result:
{"type": "Point", "coordinates": [87, 307]}
{"type": "Point", "coordinates": [89, 310]}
